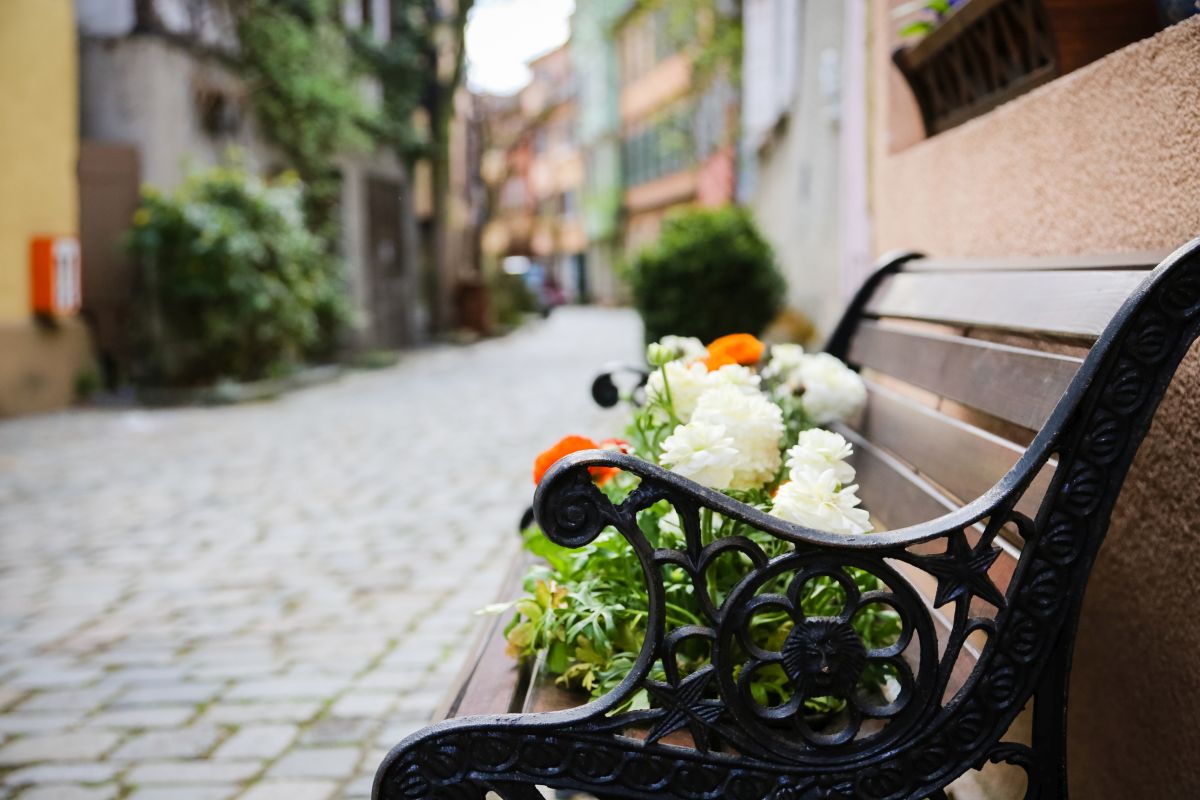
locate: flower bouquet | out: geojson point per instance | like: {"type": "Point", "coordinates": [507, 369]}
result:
{"type": "Point", "coordinates": [741, 418]}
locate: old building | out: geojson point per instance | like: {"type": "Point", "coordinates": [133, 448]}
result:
{"type": "Point", "coordinates": [160, 97]}
{"type": "Point", "coordinates": [678, 124]}
{"type": "Point", "coordinates": [594, 56]}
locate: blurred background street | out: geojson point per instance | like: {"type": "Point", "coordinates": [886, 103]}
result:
{"type": "Point", "coordinates": [270, 596]}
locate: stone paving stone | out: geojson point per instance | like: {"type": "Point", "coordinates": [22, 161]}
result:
{"type": "Point", "coordinates": [166, 717]}
{"type": "Point", "coordinates": [168, 695]}
{"type": "Point", "coordinates": [201, 792]}
{"type": "Point", "coordinates": [188, 772]}
{"type": "Point", "coordinates": [257, 741]}
{"type": "Point", "coordinates": [59, 773]}
{"type": "Point", "coordinates": [360, 787]}
{"type": "Point", "coordinates": [243, 713]}
{"type": "Point", "coordinates": [304, 569]}
{"type": "Point", "coordinates": [339, 730]}
{"type": "Point", "coordinates": [84, 745]}
{"type": "Point", "coordinates": [67, 700]}
{"type": "Point", "coordinates": [190, 742]}
{"type": "Point", "coordinates": [364, 704]}
{"type": "Point", "coordinates": [395, 732]}
{"type": "Point", "coordinates": [107, 792]}
{"type": "Point", "coordinates": [285, 689]}
{"type": "Point", "coordinates": [291, 790]}
{"type": "Point", "coordinates": [21, 722]}
{"type": "Point", "coordinates": [317, 762]}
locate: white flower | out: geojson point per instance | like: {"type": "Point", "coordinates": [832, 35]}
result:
{"type": "Point", "coordinates": [785, 359]}
{"type": "Point", "coordinates": [685, 382]}
{"type": "Point", "coordinates": [815, 501]}
{"type": "Point", "coordinates": [819, 450]}
{"type": "Point", "coordinates": [701, 451]}
{"type": "Point", "coordinates": [832, 391]}
{"type": "Point", "coordinates": [679, 348]}
{"type": "Point", "coordinates": [754, 424]}
{"type": "Point", "coordinates": [741, 378]}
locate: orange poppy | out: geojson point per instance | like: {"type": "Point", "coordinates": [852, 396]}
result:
{"type": "Point", "coordinates": [736, 348]}
{"type": "Point", "coordinates": [568, 445]}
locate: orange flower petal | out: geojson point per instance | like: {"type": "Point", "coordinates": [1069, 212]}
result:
{"type": "Point", "coordinates": [564, 447]}
{"type": "Point", "coordinates": [736, 348]}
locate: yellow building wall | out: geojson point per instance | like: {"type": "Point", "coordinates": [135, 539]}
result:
{"type": "Point", "coordinates": [39, 147]}
{"type": "Point", "coordinates": [39, 138]}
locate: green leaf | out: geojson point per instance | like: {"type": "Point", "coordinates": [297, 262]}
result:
{"type": "Point", "coordinates": [916, 28]}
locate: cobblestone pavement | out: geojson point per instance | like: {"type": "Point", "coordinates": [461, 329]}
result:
{"type": "Point", "coordinates": [257, 601]}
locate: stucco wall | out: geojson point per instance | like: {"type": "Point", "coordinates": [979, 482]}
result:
{"type": "Point", "coordinates": [1106, 159]}
{"type": "Point", "coordinates": [140, 90]}
{"type": "Point", "coordinates": [38, 144]}
{"type": "Point", "coordinates": [39, 148]}
{"type": "Point", "coordinates": [797, 183]}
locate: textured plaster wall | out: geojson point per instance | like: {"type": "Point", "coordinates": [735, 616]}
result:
{"type": "Point", "coordinates": [1106, 159]}
{"type": "Point", "coordinates": [38, 144]}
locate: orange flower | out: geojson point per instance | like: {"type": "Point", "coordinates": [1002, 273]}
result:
{"type": "Point", "coordinates": [736, 348]}
{"type": "Point", "coordinates": [573, 444]}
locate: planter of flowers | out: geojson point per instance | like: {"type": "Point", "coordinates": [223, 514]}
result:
{"type": "Point", "coordinates": [752, 422]}
{"type": "Point", "coordinates": [965, 57]}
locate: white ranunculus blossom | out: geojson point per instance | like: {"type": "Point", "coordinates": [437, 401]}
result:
{"type": "Point", "coordinates": [686, 348]}
{"type": "Point", "coordinates": [686, 383]}
{"type": "Point", "coordinates": [754, 424]}
{"type": "Point", "coordinates": [702, 451]}
{"type": "Point", "coordinates": [785, 359]}
{"type": "Point", "coordinates": [818, 450]}
{"type": "Point", "coordinates": [815, 501]}
{"type": "Point", "coordinates": [832, 391]}
{"type": "Point", "coordinates": [741, 378]}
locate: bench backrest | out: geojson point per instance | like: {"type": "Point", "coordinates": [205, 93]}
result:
{"type": "Point", "coordinates": [966, 362]}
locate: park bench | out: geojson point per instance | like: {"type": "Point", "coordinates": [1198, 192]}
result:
{"type": "Point", "coordinates": [1006, 403]}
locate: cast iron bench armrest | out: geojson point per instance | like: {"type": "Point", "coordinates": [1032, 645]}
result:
{"type": "Point", "coordinates": [943, 718]}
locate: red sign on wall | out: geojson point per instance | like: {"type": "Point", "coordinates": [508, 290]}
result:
{"type": "Point", "coordinates": [55, 279]}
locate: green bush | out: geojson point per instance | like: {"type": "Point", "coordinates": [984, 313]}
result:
{"type": "Point", "coordinates": [710, 273]}
{"type": "Point", "coordinates": [232, 284]}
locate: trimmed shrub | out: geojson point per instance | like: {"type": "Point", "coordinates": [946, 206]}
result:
{"type": "Point", "coordinates": [709, 273]}
{"type": "Point", "coordinates": [232, 284]}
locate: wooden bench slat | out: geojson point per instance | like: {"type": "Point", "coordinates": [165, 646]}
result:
{"type": "Point", "coordinates": [1015, 384]}
{"type": "Point", "coordinates": [1146, 260]}
{"type": "Point", "coordinates": [1078, 304]}
{"type": "Point", "coordinates": [964, 460]}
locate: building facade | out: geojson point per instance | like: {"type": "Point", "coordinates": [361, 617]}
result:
{"type": "Point", "coordinates": [678, 125]}
{"type": "Point", "coordinates": [594, 56]}
{"type": "Point", "coordinates": [804, 148]}
{"type": "Point", "coordinates": [158, 100]}
{"type": "Point", "coordinates": [42, 355]}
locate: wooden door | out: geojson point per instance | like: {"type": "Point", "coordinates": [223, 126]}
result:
{"type": "Point", "coordinates": [108, 196]}
{"type": "Point", "coordinates": [389, 299]}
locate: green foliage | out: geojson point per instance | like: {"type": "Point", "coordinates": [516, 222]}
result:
{"type": "Point", "coordinates": [402, 67]}
{"type": "Point", "coordinates": [710, 273]}
{"type": "Point", "coordinates": [233, 284]}
{"type": "Point", "coordinates": [303, 78]}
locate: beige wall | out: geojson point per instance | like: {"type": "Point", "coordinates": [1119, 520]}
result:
{"type": "Point", "coordinates": [38, 138]}
{"type": "Point", "coordinates": [39, 148]}
{"type": "Point", "coordinates": [1105, 159]}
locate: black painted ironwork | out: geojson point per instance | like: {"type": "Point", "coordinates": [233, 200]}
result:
{"type": "Point", "coordinates": [908, 743]}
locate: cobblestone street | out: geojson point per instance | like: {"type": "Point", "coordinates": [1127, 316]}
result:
{"type": "Point", "coordinates": [257, 601]}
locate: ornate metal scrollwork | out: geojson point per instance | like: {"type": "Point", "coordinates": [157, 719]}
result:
{"type": "Point", "coordinates": [909, 742]}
